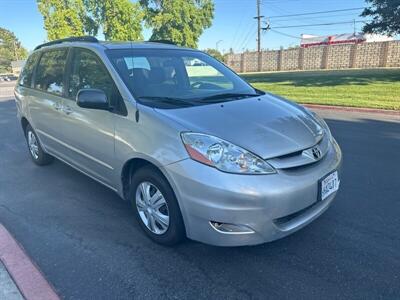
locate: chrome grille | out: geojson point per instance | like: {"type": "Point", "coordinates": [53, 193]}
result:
{"type": "Point", "coordinates": [303, 157]}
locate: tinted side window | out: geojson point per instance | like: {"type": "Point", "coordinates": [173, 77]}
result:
{"type": "Point", "coordinates": [50, 71]}
{"type": "Point", "coordinates": [88, 73]}
{"type": "Point", "coordinates": [25, 78]}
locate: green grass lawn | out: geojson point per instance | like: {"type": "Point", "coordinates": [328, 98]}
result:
{"type": "Point", "coordinates": [373, 88]}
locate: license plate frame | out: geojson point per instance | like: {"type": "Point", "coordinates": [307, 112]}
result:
{"type": "Point", "coordinates": [324, 181]}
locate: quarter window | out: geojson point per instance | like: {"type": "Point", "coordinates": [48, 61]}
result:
{"type": "Point", "coordinates": [26, 76]}
{"type": "Point", "coordinates": [50, 71]}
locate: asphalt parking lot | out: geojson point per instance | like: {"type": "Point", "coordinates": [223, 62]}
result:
{"type": "Point", "coordinates": [85, 241]}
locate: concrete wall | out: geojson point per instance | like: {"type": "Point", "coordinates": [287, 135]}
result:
{"type": "Point", "coordinates": [365, 55]}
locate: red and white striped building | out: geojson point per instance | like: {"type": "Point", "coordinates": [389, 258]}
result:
{"type": "Point", "coordinates": [308, 40]}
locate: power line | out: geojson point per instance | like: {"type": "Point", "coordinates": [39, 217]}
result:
{"type": "Point", "coordinates": [318, 12]}
{"type": "Point", "coordinates": [321, 24]}
{"type": "Point", "coordinates": [246, 40]}
{"type": "Point", "coordinates": [285, 12]}
{"type": "Point", "coordinates": [246, 32]}
{"type": "Point", "coordinates": [316, 18]}
{"type": "Point", "coordinates": [285, 34]}
{"type": "Point", "coordinates": [238, 29]}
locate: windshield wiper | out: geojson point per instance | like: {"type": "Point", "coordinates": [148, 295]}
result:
{"type": "Point", "coordinates": [228, 96]}
{"type": "Point", "coordinates": [168, 100]}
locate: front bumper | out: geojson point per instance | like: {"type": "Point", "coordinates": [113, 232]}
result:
{"type": "Point", "coordinates": [271, 206]}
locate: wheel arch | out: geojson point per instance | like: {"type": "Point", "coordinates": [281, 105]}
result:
{"type": "Point", "coordinates": [24, 123]}
{"type": "Point", "coordinates": [134, 164]}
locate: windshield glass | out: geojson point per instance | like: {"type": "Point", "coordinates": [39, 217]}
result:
{"type": "Point", "coordinates": [177, 78]}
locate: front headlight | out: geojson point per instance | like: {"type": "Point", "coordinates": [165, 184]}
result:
{"type": "Point", "coordinates": [223, 155]}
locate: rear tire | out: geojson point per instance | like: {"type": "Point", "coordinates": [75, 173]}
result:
{"type": "Point", "coordinates": [160, 218]}
{"type": "Point", "coordinates": [36, 151]}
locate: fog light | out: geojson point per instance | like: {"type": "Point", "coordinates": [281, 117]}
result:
{"type": "Point", "coordinates": [230, 228]}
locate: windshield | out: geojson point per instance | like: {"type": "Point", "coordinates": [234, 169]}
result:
{"type": "Point", "coordinates": [177, 78]}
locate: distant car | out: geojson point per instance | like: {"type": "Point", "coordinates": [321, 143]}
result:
{"type": "Point", "coordinates": [199, 64]}
{"type": "Point", "coordinates": [197, 151]}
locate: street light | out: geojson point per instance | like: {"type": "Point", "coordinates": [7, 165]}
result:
{"type": "Point", "coordinates": [216, 44]}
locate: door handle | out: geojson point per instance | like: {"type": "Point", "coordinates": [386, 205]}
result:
{"type": "Point", "coordinates": [67, 110]}
{"type": "Point", "coordinates": [56, 106]}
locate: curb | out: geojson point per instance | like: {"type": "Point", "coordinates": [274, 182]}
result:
{"type": "Point", "coordinates": [26, 275]}
{"type": "Point", "coordinates": [353, 109]}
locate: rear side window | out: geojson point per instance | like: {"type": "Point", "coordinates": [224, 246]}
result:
{"type": "Point", "coordinates": [50, 71]}
{"type": "Point", "coordinates": [25, 78]}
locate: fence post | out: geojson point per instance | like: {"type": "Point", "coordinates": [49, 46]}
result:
{"type": "Point", "coordinates": [325, 57]}
{"type": "Point", "coordinates": [259, 61]}
{"type": "Point", "coordinates": [301, 59]}
{"type": "Point", "coordinates": [353, 56]}
{"type": "Point", "coordinates": [242, 63]}
{"type": "Point", "coordinates": [385, 54]}
{"type": "Point", "coordinates": [280, 54]}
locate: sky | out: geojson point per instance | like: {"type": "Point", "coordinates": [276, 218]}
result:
{"type": "Point", "coordinates": [233, 25]}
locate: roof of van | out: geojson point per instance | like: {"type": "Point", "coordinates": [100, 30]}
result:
{"type": "Point", "coordinates": [93, 42]}
{"type": "Point", "coordinates": [146, 45]}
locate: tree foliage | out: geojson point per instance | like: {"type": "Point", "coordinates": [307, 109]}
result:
{"type": "Point", "coordinates": [63, 18]}
{"type": "Point", "coordinates": [215, 53]}
{"type": "Point", "coordinates": [180, 21]}
{"type": "Point", "coordinates": [10, 49]}
{"type": "Point", "coordinates": [118, 19]}
{"type": "Point", "coordinates": [385, 17]}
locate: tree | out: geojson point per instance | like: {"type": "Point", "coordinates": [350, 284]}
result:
{"type": "Point", "coordinates": [180, 21]}
{"type": "Point", "coordinates": [63, 18]}
{"type": "Point", "coordinates": [10, 49]}
{"type": "Point", "coordinates": [118, 19]}
{"type": "Point", "coordinates": [385, 17]}
{"type": "Point", "coordinates": [215, 53]}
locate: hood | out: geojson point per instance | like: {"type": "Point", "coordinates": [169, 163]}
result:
{"type": "Point", "coordinates": [268, 126]}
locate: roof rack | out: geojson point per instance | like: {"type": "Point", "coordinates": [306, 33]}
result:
{"type": "Point", "coordinates": [89, 39]}
{"type": "Point", "coordinates": [162, 42]}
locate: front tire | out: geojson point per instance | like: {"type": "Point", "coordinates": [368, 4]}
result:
{"type": "Point", "coordinates": [36, 151]}
{"type": "Point", "coordinates": [156, 207]}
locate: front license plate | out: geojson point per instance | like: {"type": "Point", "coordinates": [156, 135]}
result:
{"type": "Point", "coordinates": [329, 185]}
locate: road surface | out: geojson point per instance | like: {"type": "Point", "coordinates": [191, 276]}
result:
{"type": "Point", "coordinates": [84, 238]}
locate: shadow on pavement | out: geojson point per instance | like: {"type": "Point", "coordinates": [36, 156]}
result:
{"type": "Point", "coordinates": [86, 242]}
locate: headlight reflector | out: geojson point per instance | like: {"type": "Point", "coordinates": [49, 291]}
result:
{"type": "Point", "coordinates": [223, 155]}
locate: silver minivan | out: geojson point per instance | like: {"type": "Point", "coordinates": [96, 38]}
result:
{"type": "Point", "coordinates": [198, 152]}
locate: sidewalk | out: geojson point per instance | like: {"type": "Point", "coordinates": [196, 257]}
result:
{"type": "Point", "coordinates": [19, 276]}
{"type": "Point", "coordinates": [8, 289]}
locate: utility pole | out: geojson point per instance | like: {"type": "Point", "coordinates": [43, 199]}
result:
{"type": "Point", "coordinates": [258, 17]}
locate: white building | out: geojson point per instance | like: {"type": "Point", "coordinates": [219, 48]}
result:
{"type": "Point", "coordinates": [309, 40]}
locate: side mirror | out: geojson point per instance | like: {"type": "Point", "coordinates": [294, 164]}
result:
{"type": "Point", "coordinates": [92, 98]}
